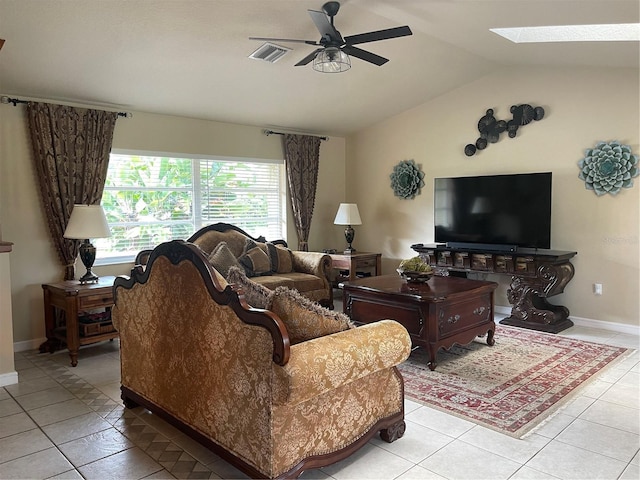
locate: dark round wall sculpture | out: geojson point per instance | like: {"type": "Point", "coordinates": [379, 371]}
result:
{"type": "Point", "coordinates": [490, 128]}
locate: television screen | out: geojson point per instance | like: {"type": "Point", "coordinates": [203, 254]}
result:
{"type": "Point", "coordinates": [505, 211]}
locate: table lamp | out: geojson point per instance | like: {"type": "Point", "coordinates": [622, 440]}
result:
{"type": "Point", "coordinates": [348, 215]}
{"type": "Point", "coordinates": [86, 222]}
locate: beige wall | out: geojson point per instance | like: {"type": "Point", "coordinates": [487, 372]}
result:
{"type": "Point", "coordinates": [34, 261]}
{"type": "Point", "coordinates": [583, 106]}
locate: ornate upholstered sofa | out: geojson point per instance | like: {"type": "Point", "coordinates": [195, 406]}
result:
{"type": "Point", "coordinates": [306, 272]}
{"type": "Point", "coordinates": [195, 353]}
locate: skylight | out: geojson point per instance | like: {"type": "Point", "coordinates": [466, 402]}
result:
{"type": "Point", "coordinates": [623, 32]}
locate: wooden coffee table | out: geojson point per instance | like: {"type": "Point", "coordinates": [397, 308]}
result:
{"type": "Point", "coordinates": [437, 314]}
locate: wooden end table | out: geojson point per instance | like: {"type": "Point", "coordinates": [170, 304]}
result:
{"type": "Point", "coordinates": [437, 314]}
{"type": "Point", "coordinates": [356, 261]}
{"type": "Point", "coordinates": [74, 300]}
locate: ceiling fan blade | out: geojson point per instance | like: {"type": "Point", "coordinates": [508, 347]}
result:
{"type": "Point", "coordinates": [325, 27]}
{"type": "Point", "coordinates": [291, 40]}
{"type": "Point", "coordinates": [378, 35]}
{"type": "Point", "coordinates": [1, 43]}
{"type": "Point", "coordinates": [308, 58]}
{"type": "Point", "coordinates": [364, 55]}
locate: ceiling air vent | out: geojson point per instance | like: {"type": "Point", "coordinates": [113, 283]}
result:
{"type": "Point", "coordinates": [269, 52]}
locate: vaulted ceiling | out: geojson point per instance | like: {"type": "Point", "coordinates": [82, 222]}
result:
{"type": "Point", "coordinates": [190, 57]}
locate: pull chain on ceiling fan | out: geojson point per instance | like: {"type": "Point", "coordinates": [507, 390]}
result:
{"type": "Point", "coordinates": [334, 50]}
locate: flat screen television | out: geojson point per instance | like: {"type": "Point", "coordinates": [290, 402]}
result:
{"type": "Point", "coordinates": [499, 212]}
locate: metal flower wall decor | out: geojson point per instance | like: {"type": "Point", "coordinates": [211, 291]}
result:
{"type": "Point", "coordinates": [608, 167]}
{"type": "Point", "coordinates": [406, 179]}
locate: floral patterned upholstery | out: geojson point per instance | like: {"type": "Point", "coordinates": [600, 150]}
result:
{"type": "Point", "coordinates": [226, 373]}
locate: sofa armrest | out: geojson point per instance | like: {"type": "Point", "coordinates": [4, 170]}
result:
{"type": "Point", "coordinates": [314, 263]}
{"type": "Point", "coordinates": [325, 363]}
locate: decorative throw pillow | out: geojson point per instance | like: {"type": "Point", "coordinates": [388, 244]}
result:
{"type": "Point", "coordinates": [254, 260]}
{"type": "Point", "coordinates": [305, 319]}
{"type": "Point", "coordinates": [255, 294]}
{"type": "Point", "coordinates": [222, 259]}
{"type": "Point", "coordinates": [281, 259]}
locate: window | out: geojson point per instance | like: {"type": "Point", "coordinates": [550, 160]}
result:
{"type": "Point", "coordinates": [154, 198]}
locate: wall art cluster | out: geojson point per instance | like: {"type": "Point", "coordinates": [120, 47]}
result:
{"type": "Point", "coordinates": [608, 168]}
{"type": "Point", "coordinates": [490, 127]}
{"type": "Point", "coordinates": [406, 179]}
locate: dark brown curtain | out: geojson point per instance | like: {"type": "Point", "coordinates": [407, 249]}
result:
{"type": "Point", "coordinates": [301, 154]}
{"type": "Point", "coordinates": [71, 149]}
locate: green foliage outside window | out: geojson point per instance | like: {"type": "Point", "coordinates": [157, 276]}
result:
{"type": "Point", "coordinates": [149, 200]}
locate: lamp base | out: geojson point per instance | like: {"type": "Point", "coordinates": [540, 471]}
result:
{"type": "Point", "coordinates": [349, 235]}
{"type": "Point", "coordinates": [89, 277]}
{"type": "Point", "coordinates": [88, 256]}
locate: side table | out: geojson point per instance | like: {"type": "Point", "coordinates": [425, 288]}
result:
{"type": "Point", "coordinates": [353, 262]}
{"type": "Point", "coordinates": [75, 299]}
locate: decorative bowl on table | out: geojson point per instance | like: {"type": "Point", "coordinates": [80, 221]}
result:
{"type": "Point", "coordinates": [412, 276]}
{"type": "Point", "coordinates": [415, 270]}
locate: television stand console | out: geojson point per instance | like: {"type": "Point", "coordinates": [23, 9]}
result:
{"type": "Point", "coordinates": [536, 274]}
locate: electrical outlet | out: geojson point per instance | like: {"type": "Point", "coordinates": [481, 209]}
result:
{"type": "Point", "coordinates": [597, 288]}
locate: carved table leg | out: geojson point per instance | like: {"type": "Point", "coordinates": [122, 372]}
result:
{"type": "Point", "coordinates": [528, 295]}
{"type": "Point", "coordinates": [490, 340]}
{"type": "Point", "coordinates": [433, 354]}
{"type": "Point", "coordinates": [73, 357]}
{"type": "Point", "coordinates": [51, 344]}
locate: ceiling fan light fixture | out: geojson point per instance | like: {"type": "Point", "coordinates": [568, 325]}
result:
{"type": "Point", "coordinates": [331, 60]}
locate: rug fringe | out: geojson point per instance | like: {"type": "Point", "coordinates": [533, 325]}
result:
{"type": "Point", "coordinates": [578, 391]}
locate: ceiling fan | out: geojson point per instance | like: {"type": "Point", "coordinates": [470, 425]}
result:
{"type": "Point", "coordinates": [335, 48]}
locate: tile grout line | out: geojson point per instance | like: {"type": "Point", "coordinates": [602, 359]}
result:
{"type": "Point", "coordinates": [55, 445]}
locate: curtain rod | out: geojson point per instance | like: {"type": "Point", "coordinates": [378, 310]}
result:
{"type": "Point", "coordinates": [271, 132]}
{"type": "Point", "coordinates": [15, 101]}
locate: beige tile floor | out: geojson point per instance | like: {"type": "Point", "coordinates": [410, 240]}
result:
{"type": "Point", "coordinates": [63, 422]}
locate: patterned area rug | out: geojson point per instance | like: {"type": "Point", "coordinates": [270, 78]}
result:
{"type": "Point", "coordinates": [511, 387]}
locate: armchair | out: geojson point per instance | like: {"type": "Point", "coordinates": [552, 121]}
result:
{"type": "Point", "coordinates": [195, 353]}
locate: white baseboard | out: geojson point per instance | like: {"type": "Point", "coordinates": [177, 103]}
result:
{"type": "Point", "coordinates": [8, 378]}
{"type": "Point", "coordinates": [28, 344]}
{"type": "Point", "coordinates": [587, 322]}
{"type": "Point", "coordinates": [609, 326]}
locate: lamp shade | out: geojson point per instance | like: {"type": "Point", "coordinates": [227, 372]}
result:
{"type": "Point", "coordinates": [331, 60]}
{"type": "Point", "coordinates": [348, 214]}
{"type": "Point", "coordinates": [87, 221]}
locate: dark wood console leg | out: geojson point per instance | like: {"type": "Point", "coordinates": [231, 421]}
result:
{"type": "Point", "coordinates": [394, 432]}
{"type": "Point", "coordinates": [528, 295]}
